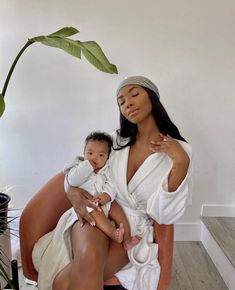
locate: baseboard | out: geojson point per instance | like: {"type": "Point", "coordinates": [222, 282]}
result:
{"type": "Point", "coordinates": [218, 210]}
{"type": "Point", "coordinates": [187, 232]}
{"type": "Point", "coordinates": [221, 262]}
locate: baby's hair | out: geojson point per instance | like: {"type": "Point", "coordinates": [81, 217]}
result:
{"type": "Point", "coordinates": [100, 136]}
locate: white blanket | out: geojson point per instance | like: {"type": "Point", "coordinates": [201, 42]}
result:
{"type": "Point", "coordinates": [53, 251]}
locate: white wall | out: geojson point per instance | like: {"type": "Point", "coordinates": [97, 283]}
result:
{"type": "Point", "coordinates": [187, 47]}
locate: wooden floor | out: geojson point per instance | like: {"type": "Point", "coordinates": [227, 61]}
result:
{"type": "Point", "coordinates": [193, 269]}
{"type": "Point", "coordinates": [223, 231]}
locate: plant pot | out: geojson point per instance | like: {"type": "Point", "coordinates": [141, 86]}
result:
{"type": "Point", "coordinates": [4, 201]}
{"type": "Point", "coordinates": [5, 242]}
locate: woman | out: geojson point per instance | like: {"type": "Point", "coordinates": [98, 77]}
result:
{"type": "Point", "coordinates": [150, 168]}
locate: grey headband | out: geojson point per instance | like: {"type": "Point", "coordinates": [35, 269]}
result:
{"type": "Point", "coordinates": [140, 81]}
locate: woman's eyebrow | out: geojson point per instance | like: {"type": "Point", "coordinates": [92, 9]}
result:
{"type": "Point", "coordinates": [129, 91]}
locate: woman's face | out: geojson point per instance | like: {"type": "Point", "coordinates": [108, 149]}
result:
{"type": "Point", "coordinates": [134, 103]}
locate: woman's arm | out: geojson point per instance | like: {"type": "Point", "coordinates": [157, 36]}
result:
{"type": "Point", "coordinates": [174, 191]}
{"type": "Point", "coordinates": [164, 236]}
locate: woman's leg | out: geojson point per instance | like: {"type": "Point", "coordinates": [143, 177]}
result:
{"type": "Point", "coordinates": [61, 281]}
{"type": "Point", "coordinates": [90, 250]}
{"type": "Point", "coordinates": [117, 259]}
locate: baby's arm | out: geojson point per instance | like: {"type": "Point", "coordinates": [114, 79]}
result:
{"type": "Point", "coordinates": [79, 173]}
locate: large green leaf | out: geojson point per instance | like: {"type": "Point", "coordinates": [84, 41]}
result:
{"type": "Point", "coordinates": [90, 49]}
{"type": "Point", "coordinates": [94, 54]}
{"type": "Point", "coordinates": [66, 44]}
{"type": "Point", "coordinates": [2, 105]}
{"type": "Point", "coordinates": [65, 32]}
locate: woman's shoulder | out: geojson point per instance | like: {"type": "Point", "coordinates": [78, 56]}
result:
{"type": "Point", "coordinates": [186, 147]}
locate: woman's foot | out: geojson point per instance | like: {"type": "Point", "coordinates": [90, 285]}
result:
{"type": "Point", "coordinates": [131, 242]}
{"type": "Point", "coordinates": [118, 234]}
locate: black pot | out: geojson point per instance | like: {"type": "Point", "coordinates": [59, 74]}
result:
{"type": "Point", "coordinates": [4, 200]}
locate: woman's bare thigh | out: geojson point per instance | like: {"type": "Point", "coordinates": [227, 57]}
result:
{"type": "Point", "coordinates": [117, 259]}
{"type": "Point", "coordinates": [90, 242]}
{"type": "Point", "coordinates": [90, 251]}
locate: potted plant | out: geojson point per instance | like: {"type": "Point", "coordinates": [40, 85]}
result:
{"type": "Point", "coordinates": [59, 39]}
{"type": "Point", "coordinates": [4, 238]}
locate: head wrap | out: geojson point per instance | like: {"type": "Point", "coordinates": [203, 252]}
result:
{"type": "Point", "coordinates": [140, 81]}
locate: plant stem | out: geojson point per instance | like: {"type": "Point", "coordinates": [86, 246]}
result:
{"type": "Point", "coordinates": [28, 43]}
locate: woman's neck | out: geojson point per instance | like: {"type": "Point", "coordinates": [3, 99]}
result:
{"type": "Point", "coordinates": [148, 131]}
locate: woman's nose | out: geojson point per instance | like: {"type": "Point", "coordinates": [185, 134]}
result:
{"type": "Point", "coordinates": [129, 104]}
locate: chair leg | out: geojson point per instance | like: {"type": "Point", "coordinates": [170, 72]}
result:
{"type": "Point", "coordinates": [15, 277]}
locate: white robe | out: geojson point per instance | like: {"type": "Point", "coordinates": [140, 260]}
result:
{"type": "Point", "coordinates": [144, 198]}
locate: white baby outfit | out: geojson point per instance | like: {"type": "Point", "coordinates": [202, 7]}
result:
{"type": "Point", "coordinates": [81, 174]}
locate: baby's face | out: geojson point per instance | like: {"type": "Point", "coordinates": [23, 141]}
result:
{"type": "Point", "coordinates": [97, 152]}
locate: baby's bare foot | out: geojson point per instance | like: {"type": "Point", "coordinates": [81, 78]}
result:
{"type": "Point", "coordinates": [119, 233]}
{"type": "Point", "coordinates": [130, 243]}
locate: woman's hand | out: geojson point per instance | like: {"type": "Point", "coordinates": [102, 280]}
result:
{"type": "Point", "coordinates": [172, 148]}
{"type": "Point", "coordinates": [180, 159]}
{"type": "Point", "coordinates": [80, 199]}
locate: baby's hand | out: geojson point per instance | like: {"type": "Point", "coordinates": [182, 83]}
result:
{"type": "Point", "coordinates": [92, 164]}
{"type": "Point", "coordinates": [103, 198]}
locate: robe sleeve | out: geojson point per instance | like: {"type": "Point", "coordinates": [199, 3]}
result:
{"type": "Point", "coordinates": [167, 207]}
{"type": "Point", "coordinates": [77, 173]}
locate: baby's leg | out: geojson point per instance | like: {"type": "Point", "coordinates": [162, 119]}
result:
{"type": "Point", "coordinates": [117, 214]}
{"type": "Point", "coordinates": [105, 225]}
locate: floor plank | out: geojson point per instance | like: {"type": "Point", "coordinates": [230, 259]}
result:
{"type": "Point", "coordinates": [193, 269]}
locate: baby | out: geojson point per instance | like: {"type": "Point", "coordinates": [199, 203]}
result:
{"type": "Point", "coordinates": [92, 174]}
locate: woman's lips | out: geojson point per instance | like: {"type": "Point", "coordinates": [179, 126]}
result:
{"type": "Point", "coordinates": [132, 113]}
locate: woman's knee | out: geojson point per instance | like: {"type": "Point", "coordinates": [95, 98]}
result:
{"type": "Point", "coordinates": [91, 255]}
{"type": "Point", "coordinates": [90, 247]}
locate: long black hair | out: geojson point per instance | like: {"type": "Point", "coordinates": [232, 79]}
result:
{"type": "Point", "coordinates": [129, 130]}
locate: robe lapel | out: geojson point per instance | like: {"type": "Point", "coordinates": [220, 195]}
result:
{"type": "Point", "coordinates": [150, 164]}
